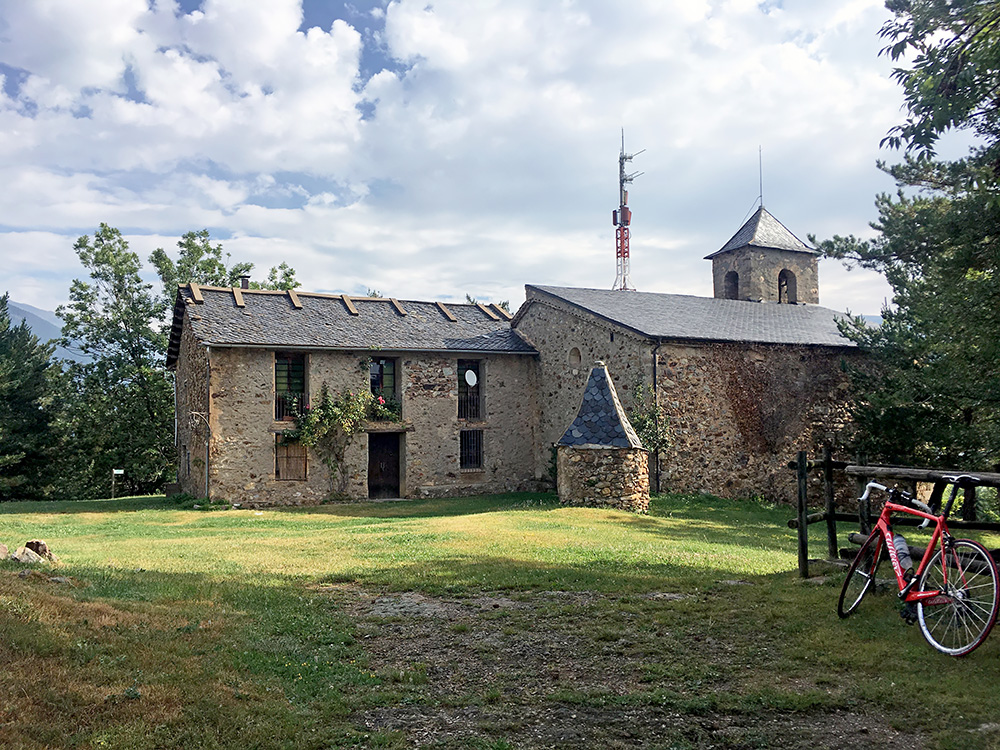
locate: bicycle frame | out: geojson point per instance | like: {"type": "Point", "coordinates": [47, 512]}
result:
{"type": "Point", "coordinates": [939, 535]}
{"type": "Point", "coordinates": [956, 615]}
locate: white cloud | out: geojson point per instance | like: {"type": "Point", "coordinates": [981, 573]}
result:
{"type": "Point", "coordinates": [482, 157]}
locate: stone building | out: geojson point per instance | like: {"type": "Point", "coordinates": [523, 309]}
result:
{"type": "Point", "coordinates": [484, 398]}
{"type": "Point", "coordinates": [464, 382]}
{"type": "Point", "coordinates": [741, 384]}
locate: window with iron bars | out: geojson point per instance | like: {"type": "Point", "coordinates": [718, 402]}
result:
{"type": "Point", "coordinates": [471, 449]}
{"type": "Point", "coordinates": [469, 389]}
{"type": "Point", "coordinates": [289, 384]}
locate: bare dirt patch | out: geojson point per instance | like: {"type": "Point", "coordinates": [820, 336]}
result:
{"type": "Point", "coordinates": [576, 670]}
{"type": "Point", "coordinates": [560, 726]}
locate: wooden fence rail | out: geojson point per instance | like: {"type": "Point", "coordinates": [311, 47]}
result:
{"type": "Point", "coordinates": [862, 474]}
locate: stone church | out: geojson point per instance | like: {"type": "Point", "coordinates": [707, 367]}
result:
{"type": "Point", "coordinates": [476, 398]}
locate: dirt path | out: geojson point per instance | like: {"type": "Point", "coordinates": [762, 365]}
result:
{"type": "Point", "coordinates": [580, 670]}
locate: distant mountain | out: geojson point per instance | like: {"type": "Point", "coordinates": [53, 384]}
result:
{"type": "Point", "coordinates": [44, 324]}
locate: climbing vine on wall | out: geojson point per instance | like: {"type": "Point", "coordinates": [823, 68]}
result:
{"type": "Point", "coordinates": [650, 423]}
{"type": "Point", "coordinates": [329, 426]}
{"type": "Point", "coordinates": [768, 395]}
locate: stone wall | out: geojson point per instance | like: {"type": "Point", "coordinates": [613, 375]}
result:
{"type": "Point", "coordinates": [737, 412]}
{"type": "Point", "coordinates": [191, 399]}
{"type": "Point", "coordinates": [245, 431]}
{"type": "Point", "coordinates": [758, 270]}
{"type": "Point", "coordinates": [603, 477]}
{"type": "Point", "coordinates": [509, 425]}
{"type": "Point", "coordinates": [241, 408]}
{"type": "Point", "coordinates": [569, 343]}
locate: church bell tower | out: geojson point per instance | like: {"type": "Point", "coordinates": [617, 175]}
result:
{"type": "Point", "coordinates": [764, 262]}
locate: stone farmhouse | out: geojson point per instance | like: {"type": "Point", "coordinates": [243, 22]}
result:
{"type": "Point", "coordinates": [743, 380]}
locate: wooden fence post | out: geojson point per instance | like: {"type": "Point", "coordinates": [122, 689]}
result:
{"type": "Point", "coordinates": [969, 504]}
{"type": "Point", "coordinates": [802, 470]}
{"type": "Point", "coordinates": [833, 551]}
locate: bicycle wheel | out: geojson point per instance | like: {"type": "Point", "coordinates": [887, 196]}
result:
{"type": "Point", "coordinates": [958, 620]}
{"type": "Point", "coordinates": [861, 575]}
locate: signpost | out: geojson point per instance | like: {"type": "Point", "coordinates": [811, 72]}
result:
{"type": "Point", "coordinates": [115, 473]}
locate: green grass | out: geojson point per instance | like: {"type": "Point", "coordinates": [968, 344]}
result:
{"type": "Point", "coordinates": [492, 622]}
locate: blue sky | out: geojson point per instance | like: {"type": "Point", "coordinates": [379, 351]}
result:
{"type": "Point", "coordinates": [433, 149]}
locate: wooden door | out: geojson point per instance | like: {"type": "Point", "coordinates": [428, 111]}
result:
{"type": "Point", "coordinates": [383, 465]}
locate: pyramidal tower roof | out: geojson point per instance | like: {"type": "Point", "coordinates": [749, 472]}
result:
{"type": "Point", "coordinates": [763, 230]}
{"type": "Point", "coordinates": [601, 420]}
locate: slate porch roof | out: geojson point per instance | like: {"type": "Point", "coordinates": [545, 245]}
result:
{"type": "Point", "coordinates": [304, 320]}
{"type": "Point", "coordinates": [763, 230]}
{"type": "Point", "coordinates": [681, 317]}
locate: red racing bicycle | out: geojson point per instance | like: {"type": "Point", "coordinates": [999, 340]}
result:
{"type": "Point", "coordinates": [952, 594]}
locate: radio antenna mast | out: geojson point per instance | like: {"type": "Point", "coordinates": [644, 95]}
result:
{"type": "Point", "coordinates": [622, 218]}
{"type": "Point", "coordinates": [760, 173]}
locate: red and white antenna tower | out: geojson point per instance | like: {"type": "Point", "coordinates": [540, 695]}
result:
{"type": "Point", "coordinates": [622, 218]}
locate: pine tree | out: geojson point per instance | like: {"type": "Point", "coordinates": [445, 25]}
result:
{"type": "Point", "coordinates": [24, 410]}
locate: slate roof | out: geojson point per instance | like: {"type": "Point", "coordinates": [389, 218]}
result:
{"type": "Point", "coordinates": [763, 230]}
{"type": "Point", "coordinates": [272, 320]}
{"type": "Point", "coordinates": [682, 317]}
{"type": "Point", "coordinates": [601, 420]}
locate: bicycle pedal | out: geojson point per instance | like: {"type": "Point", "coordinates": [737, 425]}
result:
{"type": "Point", "coordinates": [909, 613]}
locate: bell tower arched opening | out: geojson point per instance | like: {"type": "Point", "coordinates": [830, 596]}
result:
{"type": "Point", "coordinates": [787, 292]}
{"type": "Point", "coordinates": [732, 285]}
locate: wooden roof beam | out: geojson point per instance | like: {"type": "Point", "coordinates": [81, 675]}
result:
{"type": "Point", "coordinates": [446, 312]}
{"type": "Point", "coordinates": [503, 313]}
{"type": "Point", "coordinates": [488, 311]}
{"type": "Point", "coordinates": [349, 304]}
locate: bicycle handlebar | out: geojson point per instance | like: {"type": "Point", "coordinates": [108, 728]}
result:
{"type": "Point", "coordinates": [908, 500]}
{"type": "Point", "coordinates": [925, 508]}
{"type": "Point", "coordinates": [869, 487]}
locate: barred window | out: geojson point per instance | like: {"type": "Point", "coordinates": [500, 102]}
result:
{"type": "Point", "coordinates": [289, 459]}
{"type": "Point", "coordinates": [471, 449]}
{"type": "Point", "coordinates": [469, 389]}
{"type": "Point", "coordinates": [289, 384]}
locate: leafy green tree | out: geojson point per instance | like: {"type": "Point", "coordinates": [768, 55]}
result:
{"type": "Point", "coordinates": [208, 264]}
{"type": "Point", "coordinates": [930, 393]}
{"type": "Point", "coordinates": [118, 407]}
{"type": "Point", "coordinates": [24, 410]}
{"type": "Point", "coordinates": [952, 82]}
{"type": "Point", "coordinates": [279, 277]}
{"type": "Point", "coordinates": [199, 261]}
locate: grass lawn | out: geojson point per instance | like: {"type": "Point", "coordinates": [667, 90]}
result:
{"type": "Point", "coordinates": [493, 622]}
